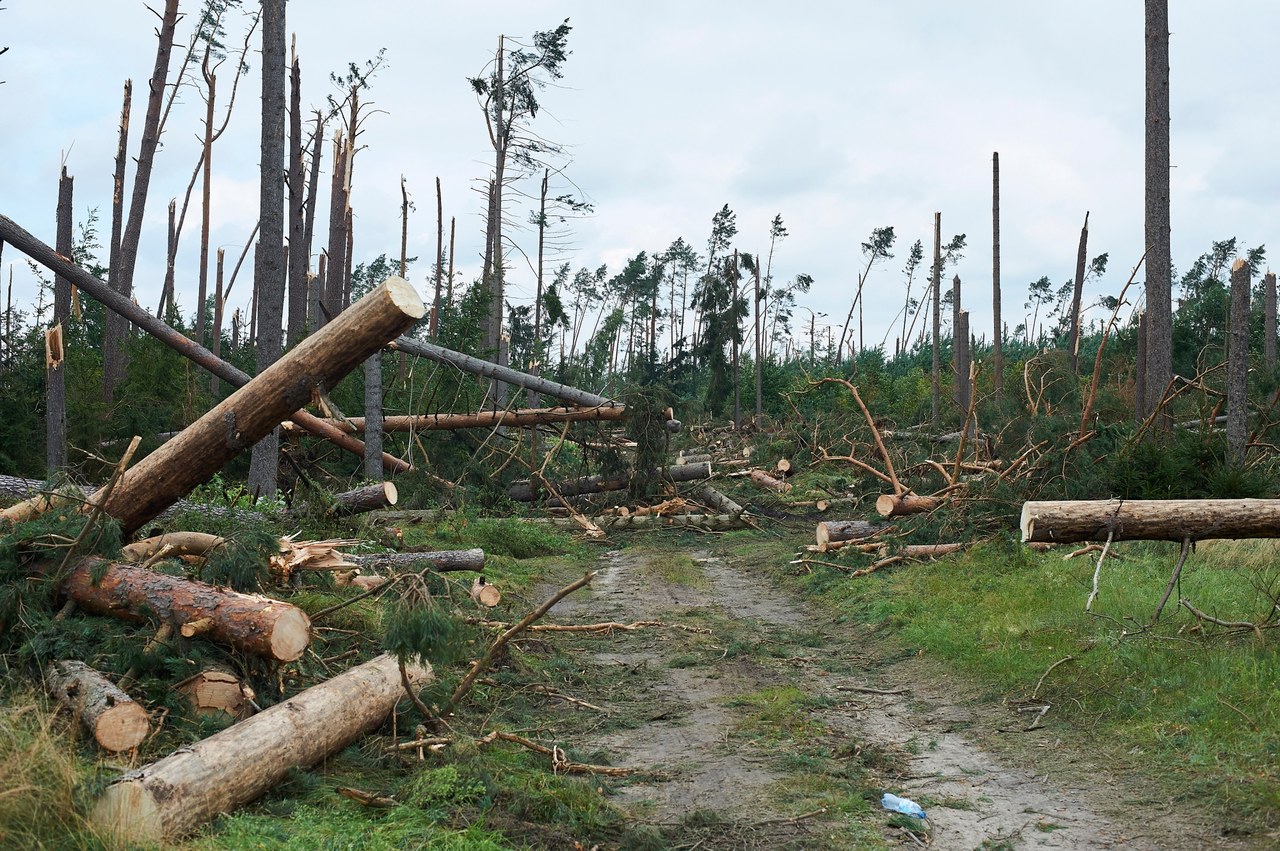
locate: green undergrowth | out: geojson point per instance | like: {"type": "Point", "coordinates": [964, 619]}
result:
{"type": "Point", "coordinates": [1189, 702]}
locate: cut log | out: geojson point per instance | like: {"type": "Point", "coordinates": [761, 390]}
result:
{"type": "Point", "coordinates": [43, 254]}
{"type": "Point", "coordinates": [115, 720]}
{"type": "Point", "coordinates": [485, 594]}
{"type": "Point", "coordinates": [783, 467]}
{"type": "Point", "coordinates": [764, 480]}
{"type": "Point", "coordinates": [720, 502]}
{"type": "Point", "coordinates": [170, 798]}
{"type": "Point", "coordinates": [710, 522]}
{"type": "Point", "coordinates": [921, 551]}
{"type": "Point", "coordinates": [891, 505]}
{"type": "Point", "coordinates": [523, 491]}
{"type": "Point", "coordinates": [699, 458]}
{"type": "Point", "coordinates": [486, 419]}
{"type": "Point", "coordinates": [1149, 520]}
{"type": "Point", "coordinates": [361, 500]}
{"type": "Point", "coordinates": [216, 692]}
{"type": "Point", "coordinates": [179, 543]}
{"type": "Point", "coordinates": [837, 531]}
{"type": "Point", "coordinates": [441, 561]}
{"type": "Point", "coordinates": [248, 622]}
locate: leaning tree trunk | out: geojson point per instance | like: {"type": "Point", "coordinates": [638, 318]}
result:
{"type": "Point", "coordinates": [1149, 520]}
{"type": "Point", "coordinates": [115, 720]}
{"type": "Point", "coordinates": [268, 268]}
{"type": "Point", "coordinates": [114, 326]}
{"type": "Point", "coordinates": [248, 622]}
{"type": "Point", "coordinates": [1238, 364]}
{"type": "Point", "coordinates": [170, 798]}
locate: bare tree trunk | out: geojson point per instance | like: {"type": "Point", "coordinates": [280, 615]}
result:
{"type": "Point", "coordinates": [759, 353]}
{"type": "Point", "coordinates": [1140, 372]}
{"type": "Point", "coordinates": [733, 338]}
{"type": "Point", "coordinates": [314, 282]}
{"type": "Point", "coordinates": [1238, 364]}
{"type": "Point", "coordinates": [995, 275]}
{"type": "Point", "coordinates": [332, 301]}
{"type": "Point", "coordinates": [1269, 321]}
{"type": "Point", "coordinates": [963, 358]}
{"type": "Point", "coordinates": [55, 363]}
{"type": "Point", "coordinates": [536, 367]}
{"type": "Point", "coordinates": [373, 417]}
{"type": "Point", "coordinates": [1077, 294]}
{"type": "Point", "coordinates": [1159, 314]}
{"type": "Point", "coordinates": [206, 190]}
{"type": "Point", "coordinates": [170, 263]}
{"type": "Point", "coordinates": [299, 250]}
{"type": "Point", "coordinates": [215, 344]}
{"type": "Point", "coordinates": [935, 283]}
{"type": "Point", "coordinates": [955, 343]}
{"type": "Point", "coordinates": [268, 270]}
{"type": "Point", "coordinates": [434, 330]}
{"type": "Point", "coordinates": [114, 326]}
{"type": "Point", "coordinates": [453, 233]}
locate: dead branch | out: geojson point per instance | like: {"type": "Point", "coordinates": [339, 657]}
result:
{"type": "Point", "coordinates": [560, 763]}
{"type": "Point", "coordinates": [871, 424]}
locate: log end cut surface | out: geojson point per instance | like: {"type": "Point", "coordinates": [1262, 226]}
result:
{"type": "Point", "coordinates": [405, 297]}
{"type": "Point", "coordinates": [132, 810]}
{"type": "Point", "coordinates": [122, 727]}
{"type": "Point", "coordinates": [291, 635]}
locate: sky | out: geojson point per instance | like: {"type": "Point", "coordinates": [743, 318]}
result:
{"type": "Point", "coordinates": [839, 116]}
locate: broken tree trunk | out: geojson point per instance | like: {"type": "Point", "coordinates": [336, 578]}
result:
{"type": "Point", "coordinates": [720, 502]}
{"type": "Point", "coordinates": [1149, 520]}
{"type": "Point", "coordinates": [836, 531]}
{"type": "Point", "coordinates": [178, 543]}
{"type": "Point", "coordinates": [172, 797]}
{"type": "Point", "coordinates": [523, 491]}
{"type": "Point", "coordinates": [441, 561]}
{"type": "Point", "coordinates": [764, 480]}
{"type": "Point", "coordinates": [120, 304]}
{"type": "Point", "coordinates": [361, 500]}
{"type": "Point", "coordinates": [485, 419]}
{"type": "Point", "coordinates": [248, 622]}
{"type": "Point", "coordinates": [116, 721]}
{"type": "Point", "coordinates": [891, 505]}
{"type": "Point", "coordinates": [243, 418]}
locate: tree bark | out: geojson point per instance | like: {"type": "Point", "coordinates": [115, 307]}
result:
{"type": "Point", "coordinates": [935, 283]}
{"type": "Point", "coordinates": [1067, 522]}
{"type": "Point", "coordinates": [764, 480]}
{"type": "Point", "coordinates": [373, 417]}
{"type": "Point", "coordinates": [1140, 371]}
{"type": "Point", "coordinates": [891, 505]}
{"type": "Point", "coordinates": [368, 498]}
{"type": "Point", "coordinates": [1269, 321]}
{"type": "Point", "coordinates": [177, 543]}
{"type": "Point", "coordinates": [720, 502]}
{"type": "Point", "coordinates": [299, 250]}
{"type": "Point", "coordinates": [963, 357]}
{"type": "Point", "coordinates": [1238, 364]}
{"type": "Point", "coordinates": [1077, 293]}
{"type": "Point", "coordinates": [1159, 313]}
{"type": "Point", "coordinates": [170, 798]}
{"type": "Point", "coordinates": [268, 269]}
{"type": "Point", "coordinates": [837, 531]}
{"type": "Point", "coordinates": [206, 192]}
{"type": "Point", "coordinates": [254, 410]}
{"type": "Point", "coordinates": [315, 283]}
{"type": "Point", "coordinates": [441, 561]}
{"type": "Point", "coordinates": [55, 363]}
{"type": "Point", "coordinates": [998, 337]}
{"type": "Point", "coordinates": [114, 325]}
{"type": "Point", "coordinates": [115, 720]}
{"type": "Point", "coordinates": [524, 491]}
{"type": "Point", "coordinates": [250, 623]}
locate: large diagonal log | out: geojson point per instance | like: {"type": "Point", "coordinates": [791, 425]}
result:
{"type": "Point", "coordinates": [244, 417]}
{"type": "Point", "coordinates": [523, 491]}
{"type": "Point", "coordinates": [247, 622]}
{"type": "Point", "coordinates": [170, 798]}
{"type": "Point", "coordinates": [475, 366]}
{"type": "Point", "coordinates": [520, 417]}
{"type": "Point", "coordinates": [1149, 520]}
{"type": "Point", "coordinates": [38, 251]}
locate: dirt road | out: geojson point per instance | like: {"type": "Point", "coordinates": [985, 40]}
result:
{"type": "Point", "coordinates": [773, 727]}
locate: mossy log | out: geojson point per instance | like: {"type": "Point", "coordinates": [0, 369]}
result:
{"type": "Point", "coordinates": [117, 722]}
{"type": "Point", "coordinates": [174, 796]}
{"type": "Point", "coordinates": [248, 622]}
{"type": "Point", "coordinates": [1065, 522]}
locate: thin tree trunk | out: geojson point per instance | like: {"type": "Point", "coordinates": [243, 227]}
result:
{"type": "Point", "coordinates": [1140, 372]}
{"type": "Point", "coordinates": [1159, 313]}
{"type": "Point", "coordinates": [995, 276]}
{"type": "Point", "coordinates": [935, 283]}
{"type": "Point", "coordinates": [114, 326]}
{"type": "Point", "coordinates": [1238, 364]}
{"type": "Point", "coordinates": [215, 344]}
{"type": "Point", "coordinates": [955, 342]}
{"type": "Point", "coordinates": [1078, 293]}
{"type": "Point", "coordinates": [434, 331]}
{"type": "Point", "coordinates": [534, 399]}
{"type": "Point", "coordinates": [55, 363]}
{"type": "Point", "coordinates": [1269, 321]}
{"type": "Point", "coordinates": [332, 300]}
{"type": "Point", "coordinates": [299, 250]}
{"type": "Point", "coordinates": [373, 417]}
{"type": "Point", "coordinates": [759, 351]}
{"type": "Point", "coordinates": [269, 272]}
{"type": "Point", "coordinates": [733, 337]}
{"type": "Point", "coordinates": [206, 192]}
{"type": "Point", "coordinates": [453, 233]}
{"type": "Point", "coordinates": [314, 282]}
{"type": "Point", "coordinates": [170, 263]}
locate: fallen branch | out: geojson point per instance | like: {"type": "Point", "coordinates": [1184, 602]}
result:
{"type": "Point", "coordinates": [560, 763]}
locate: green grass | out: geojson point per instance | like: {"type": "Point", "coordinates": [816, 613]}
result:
{"type": "Point", "coordinates": [677, 568]}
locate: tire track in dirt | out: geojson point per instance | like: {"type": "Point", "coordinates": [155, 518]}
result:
{"type": "Point", "coordinates": [979, 801]}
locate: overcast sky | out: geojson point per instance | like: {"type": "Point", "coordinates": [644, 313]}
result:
{"type": "Point", "coordinates": [840, 116]}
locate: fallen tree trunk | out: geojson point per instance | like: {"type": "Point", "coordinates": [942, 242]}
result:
{"type": "Point", "coordinates": [172, 797]}
{"type": "Point", "coordinates": [720, 502]}
{"type": "Point", "coordinates": [486, 419]}
{"type": "Point", "coordinates": [710, 522]}
{"type": "Point", "coordinates": [248, 622]}
{"type": "Point", "coordinates": [1149, 520]}
{"type": "Point", "coordinates": [898, 505]}
{"type": "Point", "coordinates": [698, 458]}
{"type": "Point", "coordinates": [764, 480]}
{"type": "Point", "coordinates": [115, 720]}
{"type": "Point", "coordinates": [178, 543]}
{"type": "Point", "coordinates": [485, 594]}
{"type": "Point", "coordinates": [361, 500]}
{"type": "Point", "coordinates": [837, 531]}
{"type": "Point", "coordinates": [920, 551]}
{"type": "Point", "coordinates": [441, 561]}
{"type": "Point", "coordinates": [38, 251]}
{"type": "Point", "coordinates": [523, 491]}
